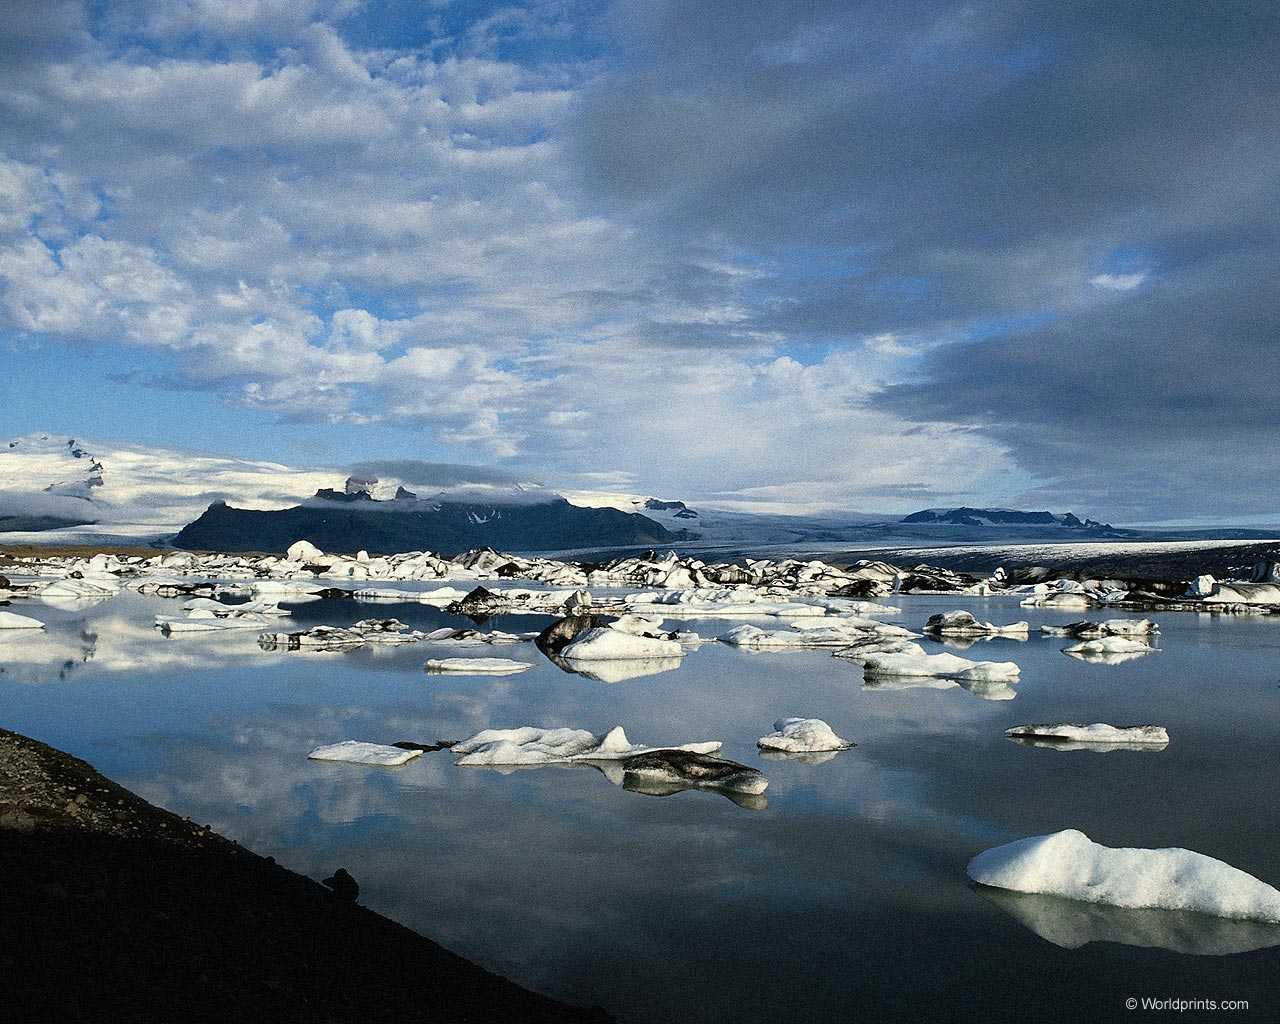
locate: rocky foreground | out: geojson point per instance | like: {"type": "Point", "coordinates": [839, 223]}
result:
{"type": "Point", "coordinates": [113, 909]}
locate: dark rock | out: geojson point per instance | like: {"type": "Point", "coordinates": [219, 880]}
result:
{"type": "Point", "coordinates": [425, 747]}
{"type": "Point", "coordinates": [343, 886]}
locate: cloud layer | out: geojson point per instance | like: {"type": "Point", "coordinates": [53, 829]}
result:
{"type": "Point", "coordinates": [822, 256]}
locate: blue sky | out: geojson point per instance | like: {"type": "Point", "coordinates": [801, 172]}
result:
{"type": "Point", "coordinates": [830, 256]}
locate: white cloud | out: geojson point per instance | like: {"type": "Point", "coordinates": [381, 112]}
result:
{"type": "Point", "coordinates": [1117, 282]}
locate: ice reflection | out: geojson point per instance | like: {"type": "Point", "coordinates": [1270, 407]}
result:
{"type": "Point", "coordinates": [1073, 923]}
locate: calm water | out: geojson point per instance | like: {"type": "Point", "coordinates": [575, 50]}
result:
{"type": "Point", "coordinates": [844, 898]}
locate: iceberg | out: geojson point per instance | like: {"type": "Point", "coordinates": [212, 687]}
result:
{"type": "Point", "coordinates": [1109, 645]}
{"type": "Point", "coordinates": [802, 736]}
{"type": "Point", "coordinates": [605, 643]}
{"type": "Point", "coordinates": [357, 752]}
{"type": "Point", "coordinates": [1097, 630]}
{"type": "Point", "coordinates": [963, 624]}
{"type": "Point", "coordinates": [1097, 733]}
{"type": "Point", "coordinates": [687, 768]}
{"type": "Point", "coordinates": [366, 631]}
{"type": "Point", "coordinates": [938, 665]}
{"type": "Point", "coordinates": [531, 745]}
{"type": "Point", "coordinates": [11, 620]}
{"type": "Point", "coordinates": [474, 637]}
{"type": "Point", "coordinates": [1071, 865]}
{"type": "Point", "coordinates": [476, 666]}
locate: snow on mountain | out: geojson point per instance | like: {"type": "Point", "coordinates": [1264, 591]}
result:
{"type": "Point", "coordinates": [1004, 517]}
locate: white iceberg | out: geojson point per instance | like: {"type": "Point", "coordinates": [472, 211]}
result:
{"type": "Point", "coordinates": [357, 752]}
{"type": "Point", "coordinates": [1099, 732]}
{"type": "Point", "coordinates": [1071, 865]}
{"type": "Point", "coordinates": [1109, 645]}
{"type": "Point", "coordinates": [474, 637]}
{"type": "Point", "coordinates": [12, 620]}
{"type": "Point", "coordinates": [802, 736]}
{"type": "Point", "coordinates": [530, 745]}
{"type": "Point", "coordinates": [476, 666]}
{"type": "Point", "coordinates": [860, 650]}
{"type": "Point", "coordinates": [938, 665]}
{"type": "Point", "coordinates": [604, 643]}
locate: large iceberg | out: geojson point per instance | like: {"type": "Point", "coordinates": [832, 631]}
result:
{"type": "Point", "coordinates": [802, 736]}
{"type": "Point", "coordinates": [605, 643]}
{"type": "Point", "coordinates": [1071, 865]}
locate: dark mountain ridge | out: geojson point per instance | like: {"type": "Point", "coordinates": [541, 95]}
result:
{"type": "Point", "coordinates": [352, 520]}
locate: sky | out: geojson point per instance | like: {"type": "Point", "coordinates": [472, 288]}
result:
{"type": "Point", "coordinates": [766, 255]}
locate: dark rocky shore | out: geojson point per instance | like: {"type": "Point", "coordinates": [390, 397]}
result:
{"type": "Point", "coordinates": [112, 909]}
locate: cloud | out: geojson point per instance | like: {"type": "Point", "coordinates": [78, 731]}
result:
{"type": "Point", "coordinates": [717, 247]}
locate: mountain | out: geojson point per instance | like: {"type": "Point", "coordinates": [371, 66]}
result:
{"type": "Point", "coordinates": [65, 500]}
{"type": "Point", "coordinates": [1007, 517]}
{"type": "Point", "coordinates": [352, 519]}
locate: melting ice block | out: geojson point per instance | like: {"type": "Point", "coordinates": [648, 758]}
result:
{"type": "Point", "coordinates": [1071, 865]}
{"type": "Point", "coordinates": [357, 752]}
{"type": "Point", "coordinates": [802, 736]}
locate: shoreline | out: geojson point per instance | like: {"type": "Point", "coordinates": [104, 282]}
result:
{"type": "Point", "coordinates": [115, 909]}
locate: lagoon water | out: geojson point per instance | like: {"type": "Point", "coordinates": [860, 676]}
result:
{"type": "Point", "coordinates": [840, 896]}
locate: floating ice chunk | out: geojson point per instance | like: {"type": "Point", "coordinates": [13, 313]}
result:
{"type": "Point", "coordinates": [860, 650]}
{"type": "Point", "coordinates": [962, 623]}
{"type": "Point", "coordinates": [835, 633]}
{"type": "Point", "coordinates": [476, 666]}
{"type": "Point", "coordinates": [1099, 732]}
{"type": "Point", "coordinates": [474, 637]}
{"type": "Point", "coordinates": [303, 551]}
{"type": "Point", "coordinates": [1096, 630]}
{"type": "Point", "coordinates": [366, 631]}
{"type": "Point", "coordinates": [1072, 924]}
{"type": "Point", "coordinates": [802, 736]}
{"type": "Point", "coordinates": [604, 643]}
{"type": "Point", "coordinates": [530, 745]}
{"type": "Point", "coordinates": [1066, 601]}
{"type": "Point", "coordinates": [1244, 593]}
{"type": "Point", "coordinates": [619, 670]}
{"type": "Point", "coordinates": [11, 620]}
{"type": "Point", "coordinates": [1110, 645]}
{"type": "Point", "coordinates": [685, 768]}
{"type": "Point", "coordinates": [96, 589]}
{"type": "Point", "coordinates": [1071, 865]}
{"type": "Point", "coordinates": [938, 665]}
{"type": "Point", "coordinates": [357, 752]}
{"type": "Point", "coordinates": [198, 622]}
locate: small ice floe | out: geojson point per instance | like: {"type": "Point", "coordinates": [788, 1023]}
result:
{"type": "Point", "coordinates": [205, 622]}
{"type": "Point", "coordinates": [1071, 865]}
{"type": "Point", "coordinates": [11, 620]}
{"type": "Point", "coordinates": [474, 637]}
{"type": "Point", "coordinates": [938, 665]}
{"type": "Point", "coordinates": [1094, 735]}
{"type": "Point", "coordinates": [963, 624]}
{"type": "Point", "coordinates": [476, 666]}
{"type": "Point", "coordinates": [531, 745]}
{"type": "Point", "coordinates": [357, 752]}
{"type": "Point", "coordinates": [1109, 650]}
{"type": "Point", "coordinates": [684, 769]}
{"type": "Point", "coordinates": [802, 736]}
{"type": "Point", "coordinates": [1097, 630]}
{"type": "Point", "coordinates": [1065, 601]}
{"type": "Point", "coordinates": [833, 633]}
{"type": "Point", "coordinates": [1243, 593]}
{"type": "Point", "coordinates": [1071, 924]}
{"type": "Point", "coordinates": [74, 593]}
{"type": "Point", "coordinates": [366, 631]}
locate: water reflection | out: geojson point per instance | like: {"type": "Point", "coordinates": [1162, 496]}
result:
{"type": "Point", "coordinates": [1074, 923]}
{"type": "Point", "coordinates": [1097, 748]}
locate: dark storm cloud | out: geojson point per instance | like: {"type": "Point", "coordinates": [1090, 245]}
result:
{"type": "Point", "coordinates": [958, 171]}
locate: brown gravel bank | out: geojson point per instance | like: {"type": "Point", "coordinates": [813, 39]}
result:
{"type": "Point", "coordinates": [112, 909]}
